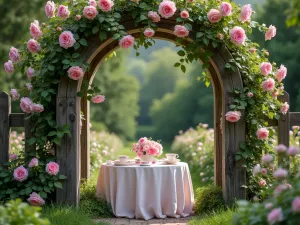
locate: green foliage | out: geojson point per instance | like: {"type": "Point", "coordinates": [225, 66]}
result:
{"type": "Point", "coordinates": [293, 13]}
{"type": "Point", "coordinates": [209, 199]}
{"type": "Point", "coordinates": [215, 218]}
{"type": "Point", "coordinates": [16, 212]}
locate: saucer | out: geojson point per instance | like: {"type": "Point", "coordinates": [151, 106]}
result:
{"type": "Point", "coordinates": [128, 163]}
{"type": "Point", "coordinates": [172, 162]}
{"type": "Point", "coordinates": [145, 164]}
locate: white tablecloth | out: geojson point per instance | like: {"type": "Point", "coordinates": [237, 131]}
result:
{"type": "Point", "coordinates": [147, 192]}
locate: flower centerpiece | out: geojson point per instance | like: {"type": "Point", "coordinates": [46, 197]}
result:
{"type": "Point", "coordinates": [147, 149]}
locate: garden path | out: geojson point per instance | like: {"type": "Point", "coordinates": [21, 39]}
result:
{"type": "Point", "coordinates": [124, 221]}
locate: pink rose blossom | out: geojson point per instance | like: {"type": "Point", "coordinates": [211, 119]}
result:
{"type": "Point", "coordinates": [37, 108]}
{"type": "Point", "coordinates": [33, 162]}
{"type": "Point", "coordinates": [220, 36]}
{"type": "Point", "coordinates": [154, 16]}
{"type": "Point", "coordinates": [280, 173]}
{"type": "Point", "coordinates": [284, 108]}
{"type": "Point", "coordinates": [214, 16]}
{"type": "Point", "coordinates": [52, 168]}
{"type": "Point", "coordinates": [143, 140]}
{"type": "Point", "coordinates": [271, 32]}
{"type": "Point", "coordinates": [246, 13]}
{"type": "Point", "coordinates": [190, 1]}
{"type": "Point", "coordinates": [275, 216]}
{"type": "Point", "coordinates": [264, 171]}
{"type": "Point", "coordinates": [90, 12]}
{"type": "Point", "coordinates": [296, 205]}
{"type": "Point", "coordinates": [20, 173]}
{"type": "Point", "coordinates": [29, 86]}
{"type": "Point", "coordinates": [26, 104]}
{"type": "Point", "coordinates": [265, 68]}
{"type": "Point", "coordinates": [167, 9]}
{"type": "Point", "coordinates": [126, 41]}
{"type": "Point", "coordinates": [252, 50]}
{"type": "Point", "coordinates": [149, 32]}
{"type": "Point", "coordinates": [14, 94]}
{"type": "Point", "coordinates": [14, 55]}
{"type": "Point", "coordinates": [262, 183]}
{"type": "Point", "coordinates": [63, 12]}
{"type": "Point", "coordinates": [66, 39]}
{"type": "Point", "coordinates": [59, 29]}
{"type": "Point", "coordinates": [281, 73]}
{"type": "Point", "coordinates": [9, 67]}
{"type": "Point", "coordinates": [268, 85]}
{"type": "Point", "coordinates": [267, 159]}
{"type": "Point", "coordinates": [93, 3]}
{"type": "Point", "coordinates": [293, 151]}
{"type": "Point", "coordinates": [35, 30]}
{"type": "Point", "coordinates": [269, 205]}
{"type": "Point", "coordinates": [233, 116]}
{"type": "Point", "coordinates": [13, 156]}
{"type": "Point", "coordinates": [181, 31]}
{"type": "Point", "coordinates": [184, 14]}
{"type": "Point", "coordinates": [30, 72]}
{"type": "Point", "coordinates": [225, 8]}
{"type": "Point", "coordinates": [262, 133]}
{"type": "Point", "coordinates": [50, 9]}
{"type": "Point", "coordinates": [78, 17]}
{"type": "Point", "coordinates": [75, 72]}
{"type": "Point", "coordinates": [33, 46]}
{"type": "Point", "coordinates": [35, 200]}
{"type": "Point", "coordinates": [275, 94]}
{"type": "Point", "coordinates": [280, 188]}
{"type": "Point", "coordinates": [256, 170]}
{"type": "Point", "coordinates": [250, 94]}
{"type": "Point", "coordinates": [98, 99]}
{"type": "Point", "coordinates": [237, 35]}
{"type": "Point", "coordinates": [106, 5]}
{"type": "Point", "coordinates": [281, 149]}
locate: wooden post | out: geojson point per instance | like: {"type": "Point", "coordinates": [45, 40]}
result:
{"type": "Point", "coordinates": [30, 150]}
{"type": "Point", "coordinates": [85, 139]}
{"type": "Point", "coordinates": [5, 109]}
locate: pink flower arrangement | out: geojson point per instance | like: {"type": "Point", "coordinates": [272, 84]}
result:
{"type": "Point", "coordinates": [181, 31]}
{"type": "Point", "coordinates": [30, 72]}
{"type": "Point", "coordinates": [284, 108]}
{"type": "Point", "coordinates": [33, 162]}
{"type": "Point", "coordinates": [225, 8]}
{"type": "Point", "coordinates": [275, 216]}
{"type": "Point", "coordinates": [154, 16]}
{"type": "Point", "coordinates": [33, 46]}
{"type": "Point", "coordinates": [9, 67]}
{"type": "Point", "coordinates": [14, 55]}
{"type": "Point", "coordinates": [35, 199]}
{"type": "Point", "coordinates": [98, 99]}
{"type": "Point", "coordinates": [237, 35]}
{"type": "Point", "coordinates": [26, 104]}
{"type": "Point", "coordinates": [66, 39]}
{"type": "Point", "coordinates": [280, 174]}
{"type": "Point", "coordinates": [63, 12]}
{"type": "Point", "coordinates": [90, 12]}
{"type": "Point", "coordinates": [271, 32]}
{"type": "Point", "coordinates": [75, 72]}
{"type": "Point", "coordinates": [146, 146]}
{"type": "Point", "coordinates": [52, 168]}
{"type": "Point", "coordinates": [262, 133]}
{"type": "Point", "coordinates": [281, 73]}
{"type": "Point", "coordinates": [184, 14]}
{"type": "Point", "coordinates": [105, 5]}
{"type": "Point", "coordinates": [265, 68]}
{"type": "Point", "coordinates": [149, 32]}
{"type": "Point", "coordinates": [214, 16]}
{"type": "Point", "coordinates": [14, 94]}
{"type": "Point", "coordinates": [50, 9]}
{"type": "Point", "coordinates": [35, 30]}
{"type": "Point", "coordinates": [233, 116]}
{"type": "Point", "coordinates": [20, 173]}
{"type": "Point", "coordinates": [126, 41]}
{"type": "Point", "coordinates": [268, 85]}
{"type": "Point", "coordinates": [246, 13]}
{"type": "Point", "coordinates": [296, 205]}
{"type": "Point", "coordinates": [167, 9]}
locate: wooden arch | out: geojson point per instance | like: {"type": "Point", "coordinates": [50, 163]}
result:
{"type": "Point", "coordinates": [73, 153]}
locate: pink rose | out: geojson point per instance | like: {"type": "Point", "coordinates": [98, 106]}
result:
{"type": "Point", "coordinates": [246, 13]}
{"type": "Point", "coordinates": [30, 72]}
{"type": "Point", "coordinates": [93, 3]}
{"type": "Point", "coordinates": [167, 9]}
{"type": "Point", "coordinates": [63, 12]}
{"type": "Point", "coordinates": [20, 173]}
{"type": "Point", "coordinates": [33, 162]}
{"type": "Point", "coordinates": [154, 16]}
{"type": "Point", "coordinates": [98, 99]}
{"type": "Point", "coordinates": [181, 31]}
{"type": "Point", "coordinates": [281, 73]}
{"type": "Point", "coordinates": [149, 32]}
{"type": "Point", "coordinates": [271, 32]}
{"type": "Point", "coordinates": [9, 67]}
{"type": "Point", "coordinates": [281, 149]}
{"type": "Point", "coordinates": [296, 205]}
{"type": "Point", "coordinates": [52, 168]}
{"type": "Point", "coordinates": [225, 8]}
{"type": "Point", "coordinates": [293, 151]}
{"type": "Point", "coordinates": [90, 12]}
{"type": "Point", "coordinates": [66, 39]}
{"type": "Point", "coordinates": [280, 188]}
{"type": "Point", "coordinates": [220, 36]}
{"type": "Point", "coordinates": [106, 5]}
{"type": "Point", "coordinates": [267, 159]}
{"type": "Point", "coordinates": [268, 205]}
{"type": "Point", "coordinates": [184, 14]}
{"type": "Point", "coordinates": [284, 108]}
{"type": "Point", "coordinates": [29, 86]}
{"type": "Point", "coordinates": [152, 151]}
{"type": "Point", "coordinates": [237, 35]}
{"type": "Point", "coordinates": [143, 140]}
{"type": "Point", "coordinates": [265, 68]}
{"type": "Point", "coordinates": [264, 171]}
{"type": "Point", "coordinates": [275, 94]}
{"type": "Point", "coordinates": [268, 85]}
{"type": "Point", "coordinates": [214, 16]}
{"type": "Point", "coordinates": [275, 216]}
{"type": "Point", "coordinates": [37, 108]}
{"type": "Point", "coordinates": [26, 104]}
{"type": "Point", "coordinates": [33, 46]}
{"type": "Point", "coordinates": [280, 174]}
{"type": "Point", "coordinates": [252, 50]}
{"type": "Point", "coordinates": [14, 55]}
{"type": "Point", "coordinates": [14, 94]}
{"type": "Point", "coordinates": [256, 170]}
{"type": "Point", "coordinates": [233, 116]}
{"type": "Point", "coordinates": [126, 41]}
{"type": "Point", "coordinates": [262, 133]}
{"type": "Point", "coordinates": [50, 9]}
{"type": "Point", "coordinates": [191, 1]}
{"type": "Point", "coordinates": [250, 94]}
{"type": "Point", "coordinates": [13, 156]}
{"type": "Point", "coordinates": [59, 29]}
{"type": "Point", "coordinates": [78, 17]}
{"type": "Point", "coordinates": [262, 183]}
{"type": "Point", "coordinates": [75, 72]}
{"type": "Point", "coordinates": [35, 30]}
{"type": "Point", "coordinates": [35, 200]}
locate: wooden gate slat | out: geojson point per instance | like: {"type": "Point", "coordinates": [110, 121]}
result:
{"type": "Point", "coordinates": [5, 107]}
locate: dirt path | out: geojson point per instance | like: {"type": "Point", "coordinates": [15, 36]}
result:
{"type": "Point", "coordinates": [123, 221]}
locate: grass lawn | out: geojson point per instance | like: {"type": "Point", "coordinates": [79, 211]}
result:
{"type": "Point", "coordinates": [220, 218]}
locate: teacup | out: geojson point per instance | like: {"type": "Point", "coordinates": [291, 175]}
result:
{"type": "Point", "coordinates": [172, 157]}
{"type": "Point", "coordinates": [138, 161]}
{"type": "Point", "coordinates": [123, 158]}
{"type": "Point", "coordinates": [109, 162]}
{"type": "Point", "coordinates": [145, 163]}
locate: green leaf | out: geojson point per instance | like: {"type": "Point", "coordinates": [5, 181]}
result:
{"type": "Point", "coordinates": [95, 30]}
{"type": "Point", "coordinates": [116, 36]}
{"type": "Point", "coordinates": [66, 61]}
{"type": "Point", "coordinates": [62, 177]}
{"type": "Point", "coordinates": [58, 185]}
{"type": "Point", "coordinates": [75, 55]}
{"type": "Point", "coordinates": [51, 133]}
{"type": "Point", "coordinates": [43, 194]}
{"type": "Point", "coordinates": [101, 19]}
{"type": "Point", "coordinates": [28, 190]}
{"type": "Point", "coordinates": [183, 69]}
{"type": "Point", "coordinates": [83, 42]}
{"type": "Point", "coordinates": [56, 141]}
{"type": "Point", "coordinates": [102, 35]}
{"type": "Point", "coordinates": [181, 53]}
{"type": "Point", "coordinates": [76, 46]}
{"type": "Point", "coordinates": [177, 64]}
{"type": "Point", "coordinates": [51, 68]}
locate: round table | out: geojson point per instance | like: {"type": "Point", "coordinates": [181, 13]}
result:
{"type": "Point", "coordinates": [146, 192]}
